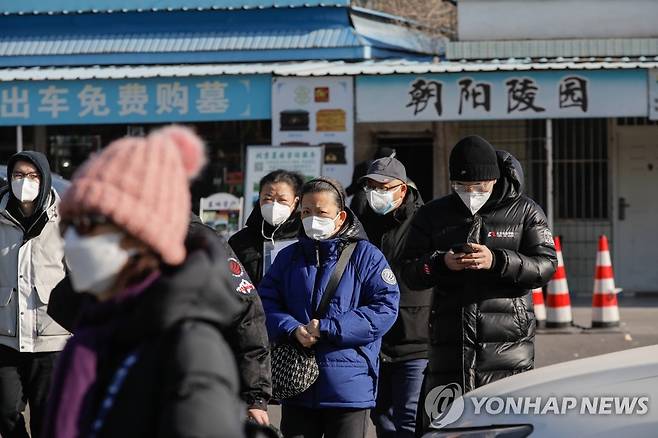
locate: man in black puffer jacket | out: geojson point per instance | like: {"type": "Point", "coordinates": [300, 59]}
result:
{"type": "Point", "coordinates": [482, 248]}
{"type": "Point", "coordinates": [391, 202]}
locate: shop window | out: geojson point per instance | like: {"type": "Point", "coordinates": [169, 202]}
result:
{"type": "Point", "coordinates": [226, 145]}
{"type": "Point", "coordinates": [416, 153]}
{"type": "Point", "coordinates": [68, 152]}
{"type": "Point", "coordinates": [581, 169]}
{"type": "Point", "coordinates": [7, 143]}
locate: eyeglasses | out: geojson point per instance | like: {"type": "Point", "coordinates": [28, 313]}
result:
{"type": "Point", "coordinates": [34, 176]}
{"type": "Point", "coordinates": [381, 190]}
{"type": "Point", "coordinates": [84, 224]}
{"type": "Point", "coordinates": [471, 187]}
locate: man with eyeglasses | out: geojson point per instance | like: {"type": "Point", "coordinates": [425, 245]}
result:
{"type": "Point", "coordinates": [483, 248]}
{"type": "Point", "coordinates": [392, 201]}
{"type": "Point", "coordinates": [30, 267]}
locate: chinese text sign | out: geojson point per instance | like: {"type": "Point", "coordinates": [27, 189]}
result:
{"type": "Point", "coordinates": [502, 95]}
{"type": "Point", "coordinates": [135, 100]}
{"type": "Point", "coordinates": [262, 160]}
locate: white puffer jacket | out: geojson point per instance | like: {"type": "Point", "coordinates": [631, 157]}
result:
{"type": "Point", "coordinates": [28, 273]}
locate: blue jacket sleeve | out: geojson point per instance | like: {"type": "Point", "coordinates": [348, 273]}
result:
{"type": "Point", "coordinates": [279, 322]}
{"type": "Point", "coordinates": [378, 309]}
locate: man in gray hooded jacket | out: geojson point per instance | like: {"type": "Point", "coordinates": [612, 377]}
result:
{"type": "Point", "coordinates": [32, 264]}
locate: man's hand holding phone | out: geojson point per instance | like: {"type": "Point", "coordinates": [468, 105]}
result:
{"type": "Point", "coordinates": [468, 256]}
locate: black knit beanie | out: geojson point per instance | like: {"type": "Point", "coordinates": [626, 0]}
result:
{"type": "Point", "coordinates": [473, 159]}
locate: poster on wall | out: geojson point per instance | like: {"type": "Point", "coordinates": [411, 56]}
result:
{"type": "Point", "coordinates": [262, 160]}
{"type": "Point", "coordinates": [317, 111]}
{"type": "Point", "coordinates": [653, 94]}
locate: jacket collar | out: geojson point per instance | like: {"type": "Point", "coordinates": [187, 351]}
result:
{"type": "Point", "coordinates": [410, 204]}
{"type": "Point", "coordinates": [352, 231]}
{"type": "Point", "coordinates": [289, 229]}
{"type": "Point", "coordinates": [197, 290]}
{"type": "Point", "coordinates": [319, 252]}
{"type": "Point", "coordinates": [51, 212]}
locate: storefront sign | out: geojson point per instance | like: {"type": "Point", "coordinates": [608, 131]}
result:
{"type": "Point", "coordinates": [149, 100]}
{"type": "Point", "coordinates": [222, 212]}
{"type": "Point", "coordinates": [502, 95]}
{"type": "Point", "coordinates": [317, 111]}
{"type": "Point", "coordinates": [653, 94]}
{"type": "Point", "coordinates": [262, 160]}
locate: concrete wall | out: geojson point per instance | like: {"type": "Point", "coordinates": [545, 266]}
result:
{"type": "Point", "coordinates": [481, 20]}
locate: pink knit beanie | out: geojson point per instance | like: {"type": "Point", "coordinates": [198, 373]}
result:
{"type": "Point", "coordinates": [142, 185]}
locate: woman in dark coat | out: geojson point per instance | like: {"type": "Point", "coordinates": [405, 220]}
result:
{"type": "Point", "coordinates": [276, 219]}
{"type": "Point", "coordinates": [148, 357]}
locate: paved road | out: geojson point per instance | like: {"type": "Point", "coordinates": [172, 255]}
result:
{"type": "Point", "coordinates": [639, 328]}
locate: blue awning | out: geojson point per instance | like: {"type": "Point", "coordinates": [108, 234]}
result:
{"type": "Point", "coordinates": [266, 35]}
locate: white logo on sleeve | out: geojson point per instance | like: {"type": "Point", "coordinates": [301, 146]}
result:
{"type": "Point", "coordinates": [389, 277]}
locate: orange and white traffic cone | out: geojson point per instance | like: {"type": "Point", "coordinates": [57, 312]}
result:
{"type": "Point", "coordinates": [605, 309]}
{"type": "Point", "coordinates": [558, 312]}
{"type": "Point", "coordinates": [540, 308]}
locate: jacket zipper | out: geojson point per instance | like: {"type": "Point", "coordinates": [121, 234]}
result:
{"type": "Point", "coordinates": [314, 300]}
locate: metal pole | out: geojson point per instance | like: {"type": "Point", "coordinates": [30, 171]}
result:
{"type": "Point", "coordinates": [19, 139]}
{"type": "Point", "coordinates": [549, 173]}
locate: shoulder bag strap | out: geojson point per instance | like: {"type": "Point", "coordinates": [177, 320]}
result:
{"type": "Point", "coordinates": [330, 290]}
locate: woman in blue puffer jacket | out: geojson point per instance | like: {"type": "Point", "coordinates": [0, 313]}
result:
{"type": "Point", "coordinates": [347, 339]}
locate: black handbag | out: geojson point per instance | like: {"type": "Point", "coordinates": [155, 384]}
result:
{"type": "Point", "coordinates": [294, 368]}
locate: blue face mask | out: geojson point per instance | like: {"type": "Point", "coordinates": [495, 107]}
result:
{"type": "Point", "coordinates": [382, 203]}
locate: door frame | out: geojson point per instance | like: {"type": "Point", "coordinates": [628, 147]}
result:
{"type": "Point", "coordinates": [421, 134]}
{"type": "Point", "coordinates": [613, 152]}
{"type": "Point", "coordinates": [616, 146]}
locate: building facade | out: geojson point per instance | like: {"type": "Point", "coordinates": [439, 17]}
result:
{"type": "Point", "coordinates": [570, 89]}
{"type": "Point", "coordinates": [75, 74]}
{"type": "Point", "coordinates": [576, 102]}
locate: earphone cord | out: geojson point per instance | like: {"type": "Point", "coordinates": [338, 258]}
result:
{"type": "Point", "coordinates": [262, 231]}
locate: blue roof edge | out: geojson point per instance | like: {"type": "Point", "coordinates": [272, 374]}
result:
{"type": "Point", "coordinates": [333, 54]}
{"type": "Point", "coordinates": [372, 35]}
{"type": "Point", "coordinates": [37, 7]}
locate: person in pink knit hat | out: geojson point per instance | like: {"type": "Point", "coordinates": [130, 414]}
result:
{"type": "Point", "coordinates": [148, 357]}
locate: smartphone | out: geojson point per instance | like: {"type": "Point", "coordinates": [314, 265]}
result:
{"type": "Point", "coordinates": [462, 248]}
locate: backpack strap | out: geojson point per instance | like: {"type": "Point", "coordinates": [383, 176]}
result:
{"type": "Point", "coordinates": [336, 275]}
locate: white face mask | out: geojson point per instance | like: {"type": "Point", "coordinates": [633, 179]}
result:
{"type": "Point", "coordinates": [382, 203]}
{"type": "Point", "coordinates": [319, 228]}
{"type": "Point", "coordinates": [274, 213]}
{"type": "Point", "coordinates": [25, 189]}
{"type": "Point", "coordinates": [95, 262]}
{"type": "Point", "coordinates": [474, 201]}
